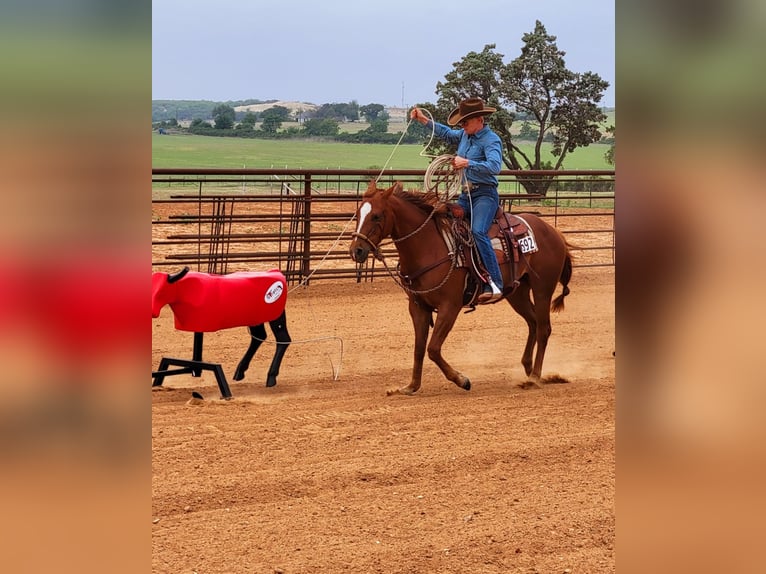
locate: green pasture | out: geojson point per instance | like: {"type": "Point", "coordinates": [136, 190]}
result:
{"type": "Point", "coordinates": [190, 151]}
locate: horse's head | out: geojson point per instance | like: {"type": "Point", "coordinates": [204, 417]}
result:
{"type": "Point", "coordinates": [375, 221]}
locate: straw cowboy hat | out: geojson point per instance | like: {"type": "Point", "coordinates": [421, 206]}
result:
{"type": "Point", "coordinates": [468, 109]}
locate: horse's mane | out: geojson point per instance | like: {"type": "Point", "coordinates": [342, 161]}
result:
{"type": "Point", "coordinates": [426, 202]}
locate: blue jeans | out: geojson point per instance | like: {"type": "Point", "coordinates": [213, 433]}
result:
{"type": "Point", "coordinates": [484, 202]}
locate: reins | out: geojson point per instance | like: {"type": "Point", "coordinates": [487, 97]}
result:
{"type": "Point", "coordinates": [397, 276]}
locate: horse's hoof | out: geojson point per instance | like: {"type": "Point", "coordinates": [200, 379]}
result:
{"type": "Point", "coordinates": [399, 391]}
{"type": "Point", "coordinates": [271, 381]}
{"type": "Point", "coordinates": [467, 385]}
{"type": "Point", "coordinates": [238, 376]}
{"type": "Point", "coordinates": [530, 384]}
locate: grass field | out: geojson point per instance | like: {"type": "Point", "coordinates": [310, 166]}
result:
{"type": "Point", "coordinates": [189, 151]}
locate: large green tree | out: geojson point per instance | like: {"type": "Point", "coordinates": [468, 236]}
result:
{"type": "Point", "coordinates": [537, 86]}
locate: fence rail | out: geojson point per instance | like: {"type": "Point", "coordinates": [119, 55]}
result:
{"type": "Point", "coordinates": [300, 221]}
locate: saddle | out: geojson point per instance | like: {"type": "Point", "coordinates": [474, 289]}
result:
{"type": "Point", "coordinates": [511, 238]}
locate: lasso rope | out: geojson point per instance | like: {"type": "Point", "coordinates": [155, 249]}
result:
{"type": "Point", "coordinates": [441, 176]}
{"type": "Point", "coordinates": [335, 372]}
{"type": "Point", "coordinates": [304, 283]}
{"type": "Point", "coordinates": [393, 151]}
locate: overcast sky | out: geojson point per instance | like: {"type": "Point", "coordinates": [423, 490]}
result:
{"type": "Point", "coordinates": [389, 52]}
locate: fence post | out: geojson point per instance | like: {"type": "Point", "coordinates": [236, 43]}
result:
{"type": "Point", "coordinates": [306, 265]}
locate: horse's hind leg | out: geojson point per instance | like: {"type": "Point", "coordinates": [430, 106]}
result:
{"type": "Point", "coordinates": [257, 336]}
{"type": "Point", "coordinates": [523, 305]}
{"type": "Point", "coordinates": [543, 297]}
{"type": "Point", "coordinates": [279, 328]}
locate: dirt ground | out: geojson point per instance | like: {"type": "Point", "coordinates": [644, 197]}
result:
{"type": "Point", "coordinates": [325, 473]}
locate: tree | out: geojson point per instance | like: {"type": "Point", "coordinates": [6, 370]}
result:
{"type": "Point", "coordinates": [271, 119]}
{"type": "Point", "coordinates": [372, 111]}
{"type": "Point", "coordinates": [379, 126]}
{"type": "Point", "coordinates": [199, 123]}
{"type": "Point", "coordinates": [537, 86]}
{"type": "Point", "coordinates": [609, 154]}
{"type": "Point", "coordinates": [223, 117]}
{"type": "Point", "coordinates": [248, 121]}
{"type": "Point", "coordinates": [321, 127]}
{"type": "Point", "coordinates": [527, 132]}
{"type": "Point", "coordinates": [280, 112]}
{"type": "Point", "coordinates": [339, 112]}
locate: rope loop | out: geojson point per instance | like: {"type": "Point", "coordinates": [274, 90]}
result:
{"type": "Point", "coordinates": [444, 179]}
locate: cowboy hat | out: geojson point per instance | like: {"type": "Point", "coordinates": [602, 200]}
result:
{"type": "Point", "coordinates": [468, 109]}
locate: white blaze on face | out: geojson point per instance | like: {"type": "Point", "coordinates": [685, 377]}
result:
{"type": "Point", "coordinates": [364, 211]}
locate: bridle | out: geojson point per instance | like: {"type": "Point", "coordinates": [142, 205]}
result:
{"type": "Point", "coordinates": [376, 248]}
{"type": "Point", "coordinates": [397, 276]}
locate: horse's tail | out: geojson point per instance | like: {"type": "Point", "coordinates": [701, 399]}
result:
{"type": "Point", "coordinates": [566, 275]}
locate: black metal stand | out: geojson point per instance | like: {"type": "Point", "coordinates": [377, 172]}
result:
{"type": "Point", "coordinates": [193, 367]}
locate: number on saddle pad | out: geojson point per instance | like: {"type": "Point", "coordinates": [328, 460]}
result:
{"type": "Point", "coordinates": [527, 244]}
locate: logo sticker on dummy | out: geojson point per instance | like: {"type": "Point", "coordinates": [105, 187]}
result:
{"type": "Point", "coordinates": [274, 292]}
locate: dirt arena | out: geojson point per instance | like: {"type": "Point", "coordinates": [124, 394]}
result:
{"type": "Point", "coordinates": [325, 473]}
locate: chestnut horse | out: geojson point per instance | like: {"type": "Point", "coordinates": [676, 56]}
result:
{"type": "Point", "coordinates": [436, 280]}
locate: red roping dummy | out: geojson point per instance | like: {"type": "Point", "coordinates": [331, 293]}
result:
{"type": "Point", "coordinates": [202, 302]}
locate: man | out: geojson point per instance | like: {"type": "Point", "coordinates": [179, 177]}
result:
{"type": "Point", "coordinates": [479, 154]}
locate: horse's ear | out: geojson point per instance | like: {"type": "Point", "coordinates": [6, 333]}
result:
{"type": "Point", "coordinates": [394, 188]}
{"type": "Point", "coordinates": [371, 187]}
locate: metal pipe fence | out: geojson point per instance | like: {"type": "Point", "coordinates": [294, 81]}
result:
{"type": "Point", "coordinates": [300, 221]}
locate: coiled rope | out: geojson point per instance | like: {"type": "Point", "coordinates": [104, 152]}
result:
{"type": "Point", "coordinates": [443, 178]}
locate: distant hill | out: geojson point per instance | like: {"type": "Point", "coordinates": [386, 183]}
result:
{"type": "Point", "coordinates": [292, 106]}
{"type": "Point", "coordinates": [187, 110]}
{"type": "Point", "coordinates": [184, 111]}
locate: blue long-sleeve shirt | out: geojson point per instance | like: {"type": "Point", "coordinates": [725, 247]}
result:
{"type": "Point", "coordinates": [483, 150]}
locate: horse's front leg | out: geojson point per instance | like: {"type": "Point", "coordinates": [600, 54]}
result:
{"type": "Point", "coordinates": [421, 320]}
{"type": "Point", "coordinates": [445, 320]}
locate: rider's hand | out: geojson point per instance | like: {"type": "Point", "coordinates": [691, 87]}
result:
{"type": "Point", "coordinates": [459, 162]}
{"type": "Point", "coordinates": [416, 114]}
